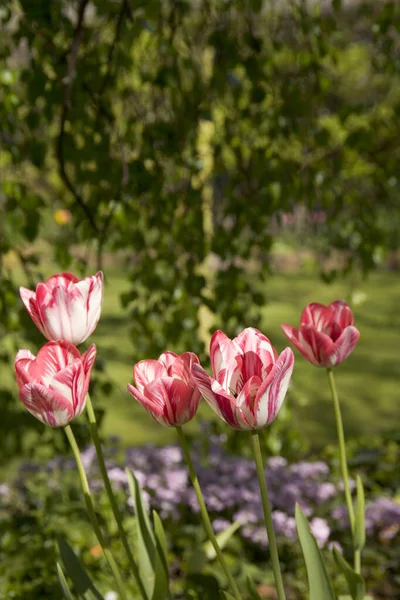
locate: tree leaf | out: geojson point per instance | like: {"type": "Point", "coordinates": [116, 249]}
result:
{"type": "Point", "coordinates": [63, 583]}
{"type": "Point", "coordinates": [359, 529]}
{"type": "Point", "coordinates": [222, 538]}
{"type": "Point", "coordinates": [74, 569]}
{"type": "Point", "coordinates": [146, 541]}
{"type": "Point", "coordinates": [318, 579]}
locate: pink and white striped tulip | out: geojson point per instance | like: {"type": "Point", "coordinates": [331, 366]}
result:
{"type": "Point", "coordinates": [64, 307]}
{"type": "Point", "coordinates": [54, 384]}
{"type": "Point", "coordinates": [165, 387]}
{"type": "Point", "coordinates": [326, 335]}
{"type": "Point", "coordinates": [250, 379]}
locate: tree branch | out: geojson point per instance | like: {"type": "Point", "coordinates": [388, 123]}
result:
{"type": "Point", "coordinates": [68, 82]}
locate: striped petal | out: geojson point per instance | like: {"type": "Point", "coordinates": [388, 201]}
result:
{"type": "Point", "coordinates": [153, 408]}
{"type": "Point", "coordinates": [146, 371]}
{"type": "Point", "coordinates": [258, 353]}
{"type": "Point", "coordinates": [88, 359]}
{"type": "Point", "coordinates": [342, 314]}
{"type": "Point", "coordinates": [167, 358]}
{"type": "Point", "coordinates": [344, 346]}
{"type": "Point", "coordinates": [220, 401]}
{"type": "Point", "coordinates": [227, 361]}
{"type": "Point", "coordinates": [316, 315]}
{"type": "Point", "coordinates": [50, 407]}
{"type": "Point", "coordinates": [29, 299]}
{"type": "Point", "coordinates": [316, 346]}
{"type": "Point", "coordinates": [272, 392]}
{"type": "Point", "coordinates": [71, 384]}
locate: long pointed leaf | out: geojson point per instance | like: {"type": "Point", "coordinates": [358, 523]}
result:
{"type": "Point", "coordinates": [354, 580]}
{"type": "Point", "coordinates": [63, 583]}
{"type": "Point", "coordinates": [251, 586]}
{"type": "Point", "coordinates": [75, 570]}
{"type": "Point", "coordinates": [146, 541]}
{"type": "Point", "coordinates": [226, 596]}
{"type": "Point", "coordinates": [222, 538]}
{"type": "Point", "coordinates": [319, 584]}
{"type": "Point", "coordinates": [359, 531]}
{"type": "Point", "coordinates": [161, 582]}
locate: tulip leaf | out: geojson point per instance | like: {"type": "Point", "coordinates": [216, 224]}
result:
{"type": "Point", "coordinates": [63, 583]}
{"type": "Point", "coordinates": [75, 570]}
{"type": "Point", "coordinates": [251, 586]}
{"type": "Point", "coordinates": [354, 580]}
{"type": "Point", "coordinates": [223, 537]}
{"type": "Point", "coordinates": [145, 538]}
{"type": "Point", "coordinates": [161, 581]}
{"type": "Point", "coordinates": [318, 579]}
{"type": "Point", "coordinates": [226, 596]}
{"type": "Point", "coordinates": [359, 529]}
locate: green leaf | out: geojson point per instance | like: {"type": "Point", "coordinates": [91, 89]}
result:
{"type": "Point", "coordinates": [201, 586]}
{"type": "Point", "coordinates": [75, 570]}
{"type": "Point", "coordinates": [227, 596]}
{"type": "Point", "coordinates": [251, 586]}
{"type": "Point", "coordinates": [161, 582]}
{"type": "Point", "coordinates": [318, 579]}
{"type": "Point", "coordinates": [63, 583]}
{"type": "Point", "coordinates": [146, 541]}
{"type": "Point", "coordinates": [222, 538]}
{"type": "Point", "coordinates": [354, 580]}
{"type": "Point", "coordinates": [359, 529]}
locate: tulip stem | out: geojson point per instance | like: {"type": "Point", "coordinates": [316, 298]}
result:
{"type": "Point", "coordinates": [92, 515]}
{"type": "Point", "coordinates": [204, 513]}
{"type": "Point", "coordinates": [114, 506]}
{"type": "Point", "coordinates": [267, 514]}
{"type": "Point", "coordinates": [343, 464]}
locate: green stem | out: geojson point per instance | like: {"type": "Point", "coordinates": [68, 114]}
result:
{"type": "Point", "coordinates": [92, 515]}
{"type": "Point", "coordinates": [343, 464]}
{"type": "Point", "coordinates": [267, 514]}
{"type": "Point", "coordinates": [111, 497]}
{"type": "Point", "coordinates": [204, 514]}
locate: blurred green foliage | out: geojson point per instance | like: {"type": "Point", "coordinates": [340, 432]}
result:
{"type": "Point", "coordinates": [179, 135]}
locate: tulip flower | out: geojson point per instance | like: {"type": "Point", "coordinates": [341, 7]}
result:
{"type": "Point", "coordinates": [250, 379]}
{"type": "Point", "coordinates": [165, 387]}
{"type": "Point", "coordinates": [64, 307]}
{"type": "Point", "coordinates": [54, 384]}
{"type": "Point", "coordinates": [326, 335]}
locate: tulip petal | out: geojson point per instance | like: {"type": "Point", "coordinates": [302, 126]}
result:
{"type": "Point", "coordinates": [344, 346]}
{"type": "Point", "coordinates": [273, 390]}
{"type": "Point", "coordinates": [50, 407]}
{"type": "Point", "coordinates": [29, 299]}
{"type": "Point", "coordinates": [315, 346]}
{"type": "Point", "coordinates": [167, 358]}
{"type": "Point", "coordinates": [316, 315]}
{"type": "Point", "coordinates": [72, 384]}
{"type": "Point", "coordinates": [219, 400]}
{"type": "Point", "coordinates": [226, 360]}
{"type": "Point", "coordinates": [91, 289]}
{"type": "Point", "coordinates": [293, 335]}
{"type": "Point", "coordinates": [88, 359]}
{"type": "Point", "coordinates": [147, 370]}
{"type": "Point", "coordinates": [342, 314]}
{"type": "Point", "coordinates": [258, 354]}
{"type": "Point", "coordinates": [246, 400]}
{"type": "Point", "coordinates": [153, 408]}
{"type": "Point", "coordinates": [179, 400]}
